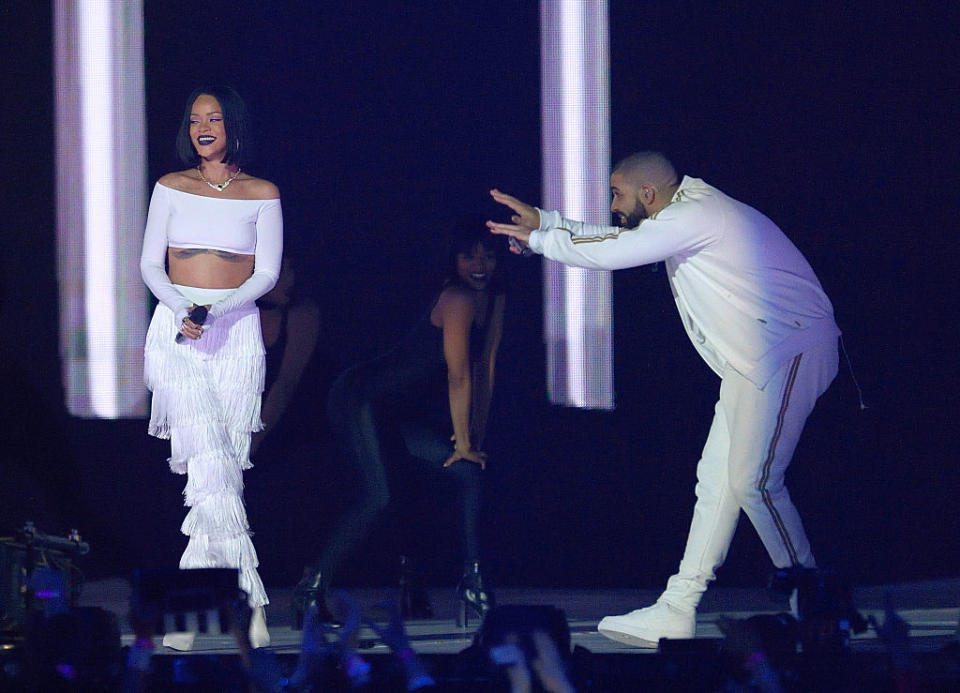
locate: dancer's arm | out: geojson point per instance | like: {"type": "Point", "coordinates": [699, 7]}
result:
{"type": "Point", "coordinates": [303, 331]}
{"type": "Point", "coordinates": [484, 375]}
{"type": "Point", "coordinates": [456, 313]}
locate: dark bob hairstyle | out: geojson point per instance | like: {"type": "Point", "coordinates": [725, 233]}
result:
{"type": "Point", "coordinates": [235, 122]}
{"type": "Point", "coordinates": [468, 231]}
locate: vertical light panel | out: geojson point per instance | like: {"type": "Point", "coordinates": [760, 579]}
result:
{"type": "Point", "coordinates": [101, 178]}
{"type": "Point", "coordinates": [575, 102]}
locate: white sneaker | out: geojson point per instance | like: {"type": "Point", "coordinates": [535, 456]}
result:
{"type": "Point", "coordinates": [645, 627]}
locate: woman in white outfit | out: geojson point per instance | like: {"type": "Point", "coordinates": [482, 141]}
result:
{"type": "Point", "coordinates": [214, 238]}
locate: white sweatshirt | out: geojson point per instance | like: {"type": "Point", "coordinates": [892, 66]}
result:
{"type": "Point", "coordinates": [747, 297]}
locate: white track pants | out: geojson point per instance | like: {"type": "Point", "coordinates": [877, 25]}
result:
{"type": "Point", "coordinates": [750, 444]}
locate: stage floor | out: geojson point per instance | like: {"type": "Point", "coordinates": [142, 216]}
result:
{"type": "Point", "coordinates": [931, 608]}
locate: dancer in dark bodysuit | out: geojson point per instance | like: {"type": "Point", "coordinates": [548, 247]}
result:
{"type": "Point", "coordinates": [437, 381]}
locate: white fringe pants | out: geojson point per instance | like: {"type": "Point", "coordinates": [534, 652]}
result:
{"type": "Point", "coordinates": [206, 401]}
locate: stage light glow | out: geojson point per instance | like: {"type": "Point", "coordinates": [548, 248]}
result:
{"type": "Point", "coordinates": [575, 99]}
{"type": "Point", "coordinates": [96, 108]}
{"type": "Point", "coordinates": [101, 171]}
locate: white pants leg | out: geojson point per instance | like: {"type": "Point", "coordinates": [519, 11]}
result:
{"type": "Point", "coordinates": [206, 400]}
{"type": "Point", "coordinates": [750, 444]}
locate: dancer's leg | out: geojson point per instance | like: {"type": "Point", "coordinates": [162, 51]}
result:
{"type": "Point", "coordinates": [353, 420]}
{"type": "Point", "coordinates": [426, 445]}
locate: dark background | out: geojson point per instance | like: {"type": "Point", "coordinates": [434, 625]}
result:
{"type": "Point", "coordinates": [380, 125]}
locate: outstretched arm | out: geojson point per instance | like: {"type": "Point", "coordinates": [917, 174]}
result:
{"type": "Point", "coordinates": [676, 229]}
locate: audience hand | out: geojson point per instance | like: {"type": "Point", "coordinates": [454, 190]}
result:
{"type": "Point", "coordinates": [549, 665]}
{"type": "Point", "coordinates": [394, 635]}
{"type": "Point", "coordinates": [316, 646]}
{"type": "Point", "coordinates": [392, 631]}
{"type": "Point", "coordinates": [894, 632]}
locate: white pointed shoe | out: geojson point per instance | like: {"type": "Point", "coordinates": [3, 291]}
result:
{"type": "Point", "coordinates": [258, 633]}
{"type": "Point", "coordinates": [645, 627]}
{"type": "Point", "coordinates": [181, 640]}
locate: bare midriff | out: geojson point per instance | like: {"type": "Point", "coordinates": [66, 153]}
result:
{"type": "Point", "coordinates": [206, 268]}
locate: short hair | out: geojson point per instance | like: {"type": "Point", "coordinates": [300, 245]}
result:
{"type": "Point", "coordinates": [467, 232]}
{"type": "Point", "coordinates": [235, 123]}
{"type": "Point", "coordinates": [652, 168]}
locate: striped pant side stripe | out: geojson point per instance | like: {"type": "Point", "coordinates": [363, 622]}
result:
{"type": "Point", "coordinates": [771, 454]}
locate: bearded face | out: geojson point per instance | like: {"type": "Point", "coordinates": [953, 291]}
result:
{"type": "Point", "coordinates": [626, 206]}
{"type": "Point", "coordinates": [631, 218]}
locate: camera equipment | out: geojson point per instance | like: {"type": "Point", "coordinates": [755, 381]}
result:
{"type": "Point", "coordinates": [37, 574]}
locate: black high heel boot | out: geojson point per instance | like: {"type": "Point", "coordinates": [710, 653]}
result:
{"type": "Point", "coordinates": [472, 595]}
{"type": "Point", "coordinates": [309, 592]}
{"type": "Point", "coordinates": [413, 599]}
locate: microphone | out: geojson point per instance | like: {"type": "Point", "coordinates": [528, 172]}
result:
{"type": "Point", "coordinates": [197, 316]}
{"type": "Point", "coordinates": [524, 250]}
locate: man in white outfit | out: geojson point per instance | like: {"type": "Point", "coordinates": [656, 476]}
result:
{"type": "Point", "coordinates": [757, 315]}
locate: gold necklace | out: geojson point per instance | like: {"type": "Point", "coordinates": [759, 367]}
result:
{"type": "Point", "coordinates": [219, 187]}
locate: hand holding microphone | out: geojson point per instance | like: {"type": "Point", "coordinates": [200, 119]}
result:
{"type": "Point", "coordinates": [195, 319]}
{"type": "Point", "coordinates": [518, 248]}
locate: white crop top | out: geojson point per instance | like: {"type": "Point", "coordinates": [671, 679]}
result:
{"type": "Point", "coordinates": [183, 220]}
